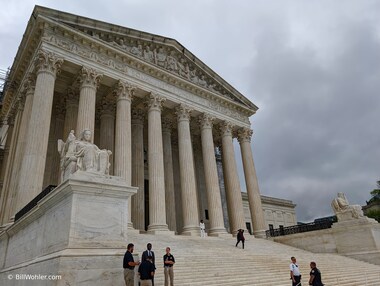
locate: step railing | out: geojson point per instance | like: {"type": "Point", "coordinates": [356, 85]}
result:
{"type": "Point", "coordinates": [34, 202]}
{"type": "Point", "coordinates": [298, 228]}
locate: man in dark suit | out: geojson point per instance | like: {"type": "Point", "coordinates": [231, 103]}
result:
{"type": "Point", "coordinates": [148, 252]}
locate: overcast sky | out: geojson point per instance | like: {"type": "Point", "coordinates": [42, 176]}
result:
{"type": "Point", "coordinates": [312, 67]}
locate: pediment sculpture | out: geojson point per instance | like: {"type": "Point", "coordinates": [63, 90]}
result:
{"type": "Point", "coordinates": [343, 210]}
{"type": "Point", "coordinates": [82, 155]}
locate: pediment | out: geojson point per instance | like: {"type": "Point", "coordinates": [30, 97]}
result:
{"type": "Point", "coordinates": [164, 53]}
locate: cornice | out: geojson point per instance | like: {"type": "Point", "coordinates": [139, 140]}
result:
{"type": "Point", "coordinates": [101, 52]}
{"type": "Point", "coordinates": [114, 53]}
{"type": "Point", "coordinates": [23, 63]}
{"type": "Point", "coordinates": [111, 30]}
{"type": "Point", "coordinates": [271, 201]}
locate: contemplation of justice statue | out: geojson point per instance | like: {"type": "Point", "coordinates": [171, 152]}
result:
{"type": "Point", "coordinates": [82, 155]}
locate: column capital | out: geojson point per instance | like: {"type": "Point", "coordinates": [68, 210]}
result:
{"type": "Point", "coordinates": [29, 84]}
{"type": "Point", "coordinates": [48, 62]}
{"type": "Point", "coordinates": [71, 97]}
{"type": "Point", "coordinates": [137, 115]}
{"type": "Point", "coordinates": [244, 135]}
{"type": "Point", "coordinates": [124, 91]}
{"type": "Point", "coordinates": [89, 77]}
{"type": "Point", "coordinates": [167, 124]}
{"type": "Point", "coordinates": [206, 121]}
{"type": "Point", "coordinates": [107, 104]}
{"type": "Point", "coordinates": [183, 112]}
{"type": "Point", "coordinates": [20, 102]}
{"type": "Point", "coordinates": [226, 128]}
{"type": "Point", "coordinates": [11, 119]}
{"type": "Point", "coordinates": [155, 102]}
{"type": "Point", "coordinates": [107, 108]}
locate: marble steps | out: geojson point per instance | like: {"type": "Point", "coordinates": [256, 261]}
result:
{"type": "Point", "coordinates": [216, 261]}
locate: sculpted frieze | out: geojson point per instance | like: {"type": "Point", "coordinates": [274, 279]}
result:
{"type": "Point", "coordinates": [120, 64]}
{"type": "Point", "coordinates": [165, 57]}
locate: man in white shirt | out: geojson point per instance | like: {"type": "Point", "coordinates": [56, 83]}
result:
{"type": "Point", "coordinates": [295, 273]}
{"type": "Point", "coordinates": [202, 227]}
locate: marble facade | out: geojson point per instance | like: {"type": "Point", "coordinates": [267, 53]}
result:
{"type": "Point", "coordinates": [277, 212]}
{"type": "Point", "coordinates": [159, 110]}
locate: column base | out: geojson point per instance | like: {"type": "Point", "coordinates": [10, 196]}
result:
{"type": "Point", "coordinates": [133, 230]}
{"type": "Point", "coordinates": [191, 231]}
{"type": "Point", "coordinates": [259, 234]}
{"type": "Point", "coordinates": [220, 232]}
{"type": "Point", "coordinates": [164, 232]}
{"type": "Point", "coordinates": [159, 229]}
{"type": "Point", "coordinates": [5, 226]}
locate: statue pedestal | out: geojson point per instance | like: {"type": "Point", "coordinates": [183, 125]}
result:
{"type": "Point", "coordinates": [78, 231]}
{"type": "Point", "coordinates": [358, 238]}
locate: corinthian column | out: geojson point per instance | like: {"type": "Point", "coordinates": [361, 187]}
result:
{"type": "Point", "coordinates": [254, 198]}
{"type": "Point", "coordinates": [187, 174]}
{"type": "Point", "coordinates": [13, 122]}
{"type": "Point", "coordinates": [33, 163]}
{"type": "Point", "coordinates": [138, 200]}
{"type": "Point", "coordinates": [89, 80]}
{"type": "Point", "coordinates": [71, 114]}
{"type": "Point", "coordinates": [107, 130]}
{"type": "Point", "coordinates": [157, 215]}
{"type": "Point", "coordinates": [122, 157]}
{"type": "Point", "coordinates": [13, 174]}
{"type": "Point", "coordinates": [233, 190]}
{"type": "Point", "coordinates": [167, 126]}
{"type": "Point", "coordinates": [10, 134]}
{"type": "Point", "coordinates": [211, 176]}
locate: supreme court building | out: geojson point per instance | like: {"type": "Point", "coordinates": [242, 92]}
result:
{"type": "Point", "coordinates": [162, 112]}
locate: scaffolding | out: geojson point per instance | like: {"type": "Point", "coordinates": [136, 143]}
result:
{"type": "Point", "coordinates": [3, 82]}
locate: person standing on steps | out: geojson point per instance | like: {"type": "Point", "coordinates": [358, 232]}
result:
{"type": "Point", "coordinates": [315, 275]}
{"type": "Point", "coordinates": [129, 266]}
{"type": "Point", "coordinates": [146, 271]}
{"type": "Point", "coordinates": [148, 252]}
{"type": "Point", "coordinates": [203, 228]}
{"type": "Point", "coordinates": [240, 237]}
{"type": "Point", "coordinates": [295, 274]}
{"type": "Point", "coordinates": [168, 267]}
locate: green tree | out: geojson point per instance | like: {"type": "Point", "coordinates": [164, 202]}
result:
{"type": "Point", "coordinates": [375, 200]}
{"type": "Point", "coordinates": [374, 214]}
{"type": "Point", "coordinates": [376, 192]}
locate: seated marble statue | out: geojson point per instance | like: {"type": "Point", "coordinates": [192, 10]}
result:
{"type": "Point", "coordinates": [342, 208]}
{"type": "Point", "coordinates": [82, 155]}
{"type": "Point", "coordinates": [68, 159]}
